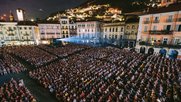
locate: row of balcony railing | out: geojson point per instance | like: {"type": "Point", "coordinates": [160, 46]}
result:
{"type": "Point", "coordinates": [167, 20]}
{"type": "Point", "coordinates": [160, 32]}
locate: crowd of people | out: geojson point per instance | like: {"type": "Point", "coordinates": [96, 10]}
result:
{"type": "Point", "coordinates": [63, 51]}
{"type": "Point", "coordinates": [112, 75]}
{"type": "Point", "coordinates": [15, 91]}
{"type": "Point", "coordinates": [32, 54]}
{"type": "Point", "coordinates": [100, 74]}
{"type": "Point", "coordinates": [8, 65]}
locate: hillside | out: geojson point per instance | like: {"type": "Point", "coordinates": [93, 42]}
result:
{"type": "Point", "coordinates": [102, 9]}
{"type": "Point", "coordinates": [126, 5]}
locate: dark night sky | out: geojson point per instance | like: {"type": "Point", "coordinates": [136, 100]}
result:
{"type": "Point", "coordinates": [37, 8]}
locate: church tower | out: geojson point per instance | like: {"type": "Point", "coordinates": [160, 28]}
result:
{"type": "Point", "coordinates": [11, 17]}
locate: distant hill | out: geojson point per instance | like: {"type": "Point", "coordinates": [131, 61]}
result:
{"type": "Point", "coordinates": [125, 6]}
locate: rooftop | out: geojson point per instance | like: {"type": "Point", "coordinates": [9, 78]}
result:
{"type": "Point", "coordinates": [27, 23]}
{"type": "Point", "coordinates": [132, 20]}
{"type": "Point", "coordinates": [168, 8]}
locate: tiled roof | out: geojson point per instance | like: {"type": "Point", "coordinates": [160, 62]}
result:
{"type": "Point", "coordinates": [48, 22]}
{"type": "Point", "coordinates": [27, 23]}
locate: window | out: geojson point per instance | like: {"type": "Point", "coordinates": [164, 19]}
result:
{"type": "Point", "coordinates": [105, 29]}
{"type": "Point", "coordinates": [147, 19]}
{"type": "Point", "coordinates": [116, 29]}
{"type": "Point", "coordinates": [83, 25]}
{"type": "Point", "coordinates": [145, 29]}
{"type": "Point", "coordinates": [165, 40]}
{"type": "Point", "coordinates": [133, 26]}
{"type": "Point", "coordinates": [63, 36]}
{"type": "Point", "coordinates": [121, 29]}
{"type": "Point", "coordinates": [30, 28]}
{"type": "Point", "coordinates": [156, 19]}
{"type": "Point", "coordinates": [169, 18]}
{"type": "Point", "coordinates": [127, 27]}
{"type": "Point", "coordinates": [154, 28]}
{"type": "Point", "coordinates": [178, 28]}
{"type": "Point", "coordinates": [168, 27]}
{"type": "Point", "coordinates": [112, 29]}
{"type": "Point", "coordinates": [105, 36]}
{"type": "Point", "coordinates": [116, 36]}
{"type": "Point", "coordinates": [177, 41]}
{"type": "Point", "coordinates": [112, 36]}
{"type": "Point", "coordinates": [25, 28]}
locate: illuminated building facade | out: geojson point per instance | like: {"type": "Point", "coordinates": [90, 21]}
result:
{"type": "Point", "coordinates": [72, 28]}
{"type": "Point", "coordinates": [113, 31]}
{"type": "Point", "coordinates": [49, 31]}
{"type": "Point", "coordinates": [131, 31]}
{"type": "Point", "coordinates": [167, 2]}
{"type": "Point", "coordinates": [64, 25]}
{"type": "Point", "coordinates": [28, 32]}
{"type": "Point", "coordinates": [9, 33]}
{"type": "Point", "coordinates": [19, 33]}
{"type": "Point", "coordinates": [161, 26]}
{"type": "Point", "coordinates": [88, 29]}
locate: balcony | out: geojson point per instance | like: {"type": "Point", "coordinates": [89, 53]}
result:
{"type": "Point", "coordinates": [169, 20]}
{"type": "Point", "coordinates": [146, 22]}
{"type": "Point", "coordinates": [155, 21]}
{"type": "Point", "coordinates": [159, 45]}
{"type": "Point", "coordinates": [160, 32]}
